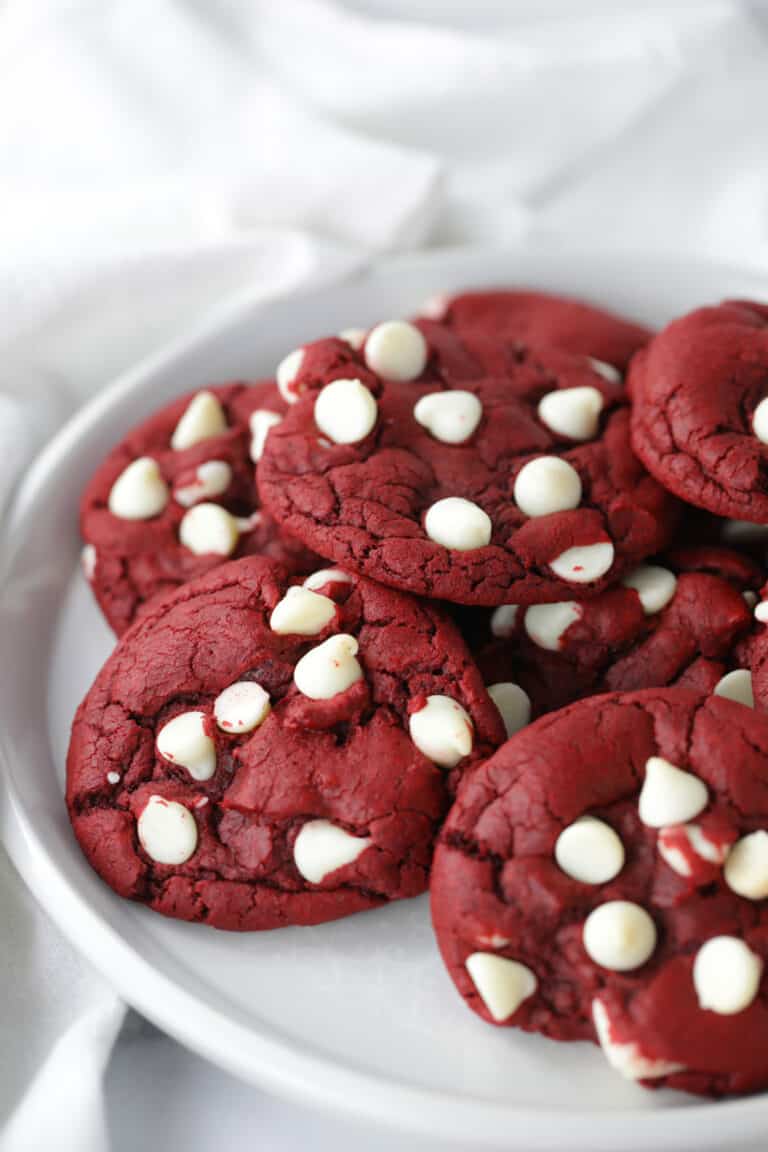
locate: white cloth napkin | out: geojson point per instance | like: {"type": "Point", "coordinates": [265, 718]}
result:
{"type": "Point", "coordinates": [158, 157]}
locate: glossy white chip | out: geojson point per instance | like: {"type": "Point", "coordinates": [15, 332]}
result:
{"type": "Point", "coordinates": [355, 337]}
{"type": "Point", "coordinates": [546, 485]}
{"type": "Point", "coordinates": [760, 421]}
{"type": "Point", "coordinates": [736, 685]}
{"type": "Point", "coordinates": [750, 598]}
{"type": "Point", "coordinates": [619, 935]}
{"type": "Point", "coordinates": [655, 586]}
{"type": "Point", "coordinates": [203, 419]}
{"type": "Point", "coordinates": [328, 669]}
{"type": "Point", "coordinates": [139, 493]}
{"type": "Point", "coordinates": [167, 831]}
{"type": "Point", "coordinates": [546, 624]}
{"type": "Point", "coordinates": [185, 742]}
{"type": "Point", "coordinates": [502, 984]}
{"type": "Point", "coordinates": [726, 975]}
{"type": "Point", "coordinates": [572, 412]}
{"type": "Point", "coordinates": [451, 417]}
{"type": "Point", "coordinates": [435, 307]}
{"type": "Point", "coordinates": [209, 529]}
{"type": "Point", "coordinates": [669, 795]}
{"type": "Point", "coordinates": [260, 423]}
{"type": "Point", "coordinates": [211, 479]}
{"type": "Point", "coordinates": [627, 1057]}
{"type": "Point", "coordinates": [583, 564]}
{"type": "Point", "coordinates": [608, 371]}
{"type": "Point", "coordinates": [241, 707]}
{"type": "Point", "coordinates": [458, 524]}
{"type": "Point", "coordinates": [503, 620]}
{"type": "Point", "coordinates": [761, 612]}
{"type": "Point", "coordinates": [321, 847]}
{"type": "Point", "coordinates": [325, 576]}
{"type": "Point", "coordinates": [746, 869]}
{"type": "Point", "coordinates": [513, 703]}
{"type": "Point", "coordinates": [396, 350]}
{"type": "Point", "coordinates": [698, 844]}
{"type": "Point", "coordinates": [345, 411]}
{"type": "Point", "coordinates": [286, 373]}
{"type": "Point", "coordinates": [590, 850]}
{"type": "Point", "coordinates": [442, 730]}
{"type": "Point", "coordinates": [302, 612]}
{"type": "Point", "coordinates": [88, 562]}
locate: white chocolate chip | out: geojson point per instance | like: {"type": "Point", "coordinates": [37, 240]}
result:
{"type": "Point", "coordinates": [584, 564]}
{"type": "Point", "coordinates": [546, 624]}
{"type": "Point", "coordinates": [139, 493]}
{"type": "Point", "coordinates": [450, 417]}
{"type": "Point", "coordinates": [513, 703]}
{"type": "Point", "coordinates": [346, 412]}
{"type": "Point", "coordinates": [211, 479]}
{"type": "Point", "coordinates": [572, 412]}
{"type": "Point", "coordinates": [608, 371]}
{"type": "Point", "coordinates": [619, 935]}
{"type": "Point", "coordinates": [726, 975]}
{"type": "Point", "coordinates": [326, 576]}
{"type": "Point", "coordinates": [627, 1057]}
{"type": "Point", "coordinates": [396, 350]}
{"type": "Point", "coordinates": [655, 586]}
{"type": "Point", "coordinates": [669, 795]}
{"type": "Point", "coordinates": [458, 524]}
{"type": "Point", "coordinates": [761, 612]}
{"type": "Point", "coordinates": [435, 307]}
{"type": "Point", "coordinates": [321, 847]}
{"type": "Point", "coordinates": [209, 529]}
{"type": "Point", "coordinates": [736, 685]}
{"type": "Point", "coordinates": [355, 337]}
{"type": "Point", "coordinates": [746, 869]}
{"type": "Point", "coordinates": [760, 421]}
{"type": "Point", "coordinates": [185, 742]}
{"type": "Point", "coordinates": [286, 373]}
{"type": "Point", "coordinates": [442, 731]}
{"type": "Point", "coordinates": [503, 620]}
{"type": "Point", "coordinates": [260, 423]}
{"type": "Point", "coordinates": [743, 532]}
{"type": "Point", "coordinates": [241, 707]}
{"type": "Point", "coordinates": [302, 612]}
{"type": "Point", "coordinates": [590, 850]}
{"type": "Point", "coordinates": [502, 984]}
{"type": "Point", "coordinates": [203, 419]}
{"type": "Point", "coordinates": [697, 843]}
{"type": "Point", "coordinates": [167, 831]}
{"type": "Point", "coordinates": [328, 669]}
{"type": "Point", "coordinates": [88, 562]}
{"type": "Point", "coordinates": [750, 598]}
{"type": "Point", "coordinates": [546, 485]}
{"type": "Point", "coordinates": [248, 523]}
{"type": "Point", "coordinates": [113, 777]}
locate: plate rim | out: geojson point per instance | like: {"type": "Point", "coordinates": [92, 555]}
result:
{"type": "Point", "coordinates": [277, 1064]}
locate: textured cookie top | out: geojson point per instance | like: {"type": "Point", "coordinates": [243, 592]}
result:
{"type": "Point", "coordinates": [495, 472]}
{"type": "Point", "coordinates": [605, 875]}
{"type": "Point", "coordinates": [254, 755]}
{"type": "Point", "coordinates": [700, 409]}
{"type": "Point", "coordinates": [178, 497]}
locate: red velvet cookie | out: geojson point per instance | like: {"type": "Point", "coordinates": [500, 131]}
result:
{"type": "Point", "coordinates": [254, 755]}
{"type": "Point", "coordinates": [604, 876]}
{"type": "Point", "coordinates": [474, 472]}
{"type": "Point", "coordinates": [684, 620]}
{"type": "Point", "coordinates": [538, 318]}
{"type": "Point", "coordinates": [177, 497]}
{"type": "Point", "coordinates": [700, 409]}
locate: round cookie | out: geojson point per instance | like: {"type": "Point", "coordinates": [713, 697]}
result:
{"type": "Point", "coordinates": [144, 533]}
{"type": "Point", "coordinates": [700, 409]}
{"type": "Point", "coordinates": [604, 876]}
{"type": "Point", "coordinates": [540, 318]}
{"type": "Point", "coordinates": [496, 474]}
{"type": "Point", "coordinates": [254, 755]}
{"type": "Point", "coordinates": [684, 619]}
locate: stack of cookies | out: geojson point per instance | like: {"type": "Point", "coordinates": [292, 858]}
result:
{"type": "Point", "coordinates": [468, 603]}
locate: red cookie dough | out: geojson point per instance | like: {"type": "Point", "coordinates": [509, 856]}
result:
{"type": "Point", "coordinates": [368, 503]}
{"type": "Point", "coordinates": [129, 563]}
{"type": "Point", "coordinates": [687, 622]}
{"type": "Point", "coordinates": [539, 318]}
{"type": "Point", "coordinates": [223, 820]}
{"type": "Point", "coordinates": [696, 390]}
{"type": "Point", "coordinates": [509, 888]}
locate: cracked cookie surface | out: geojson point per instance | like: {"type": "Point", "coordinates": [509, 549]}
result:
{"type": "Point", "coordinates": [251, 757]}
{"type": "Point", "coordinates": [604, 876]}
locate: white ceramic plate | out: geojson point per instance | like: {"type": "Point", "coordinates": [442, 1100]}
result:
{"type": "Point", "coordinates": [357, 1016]}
